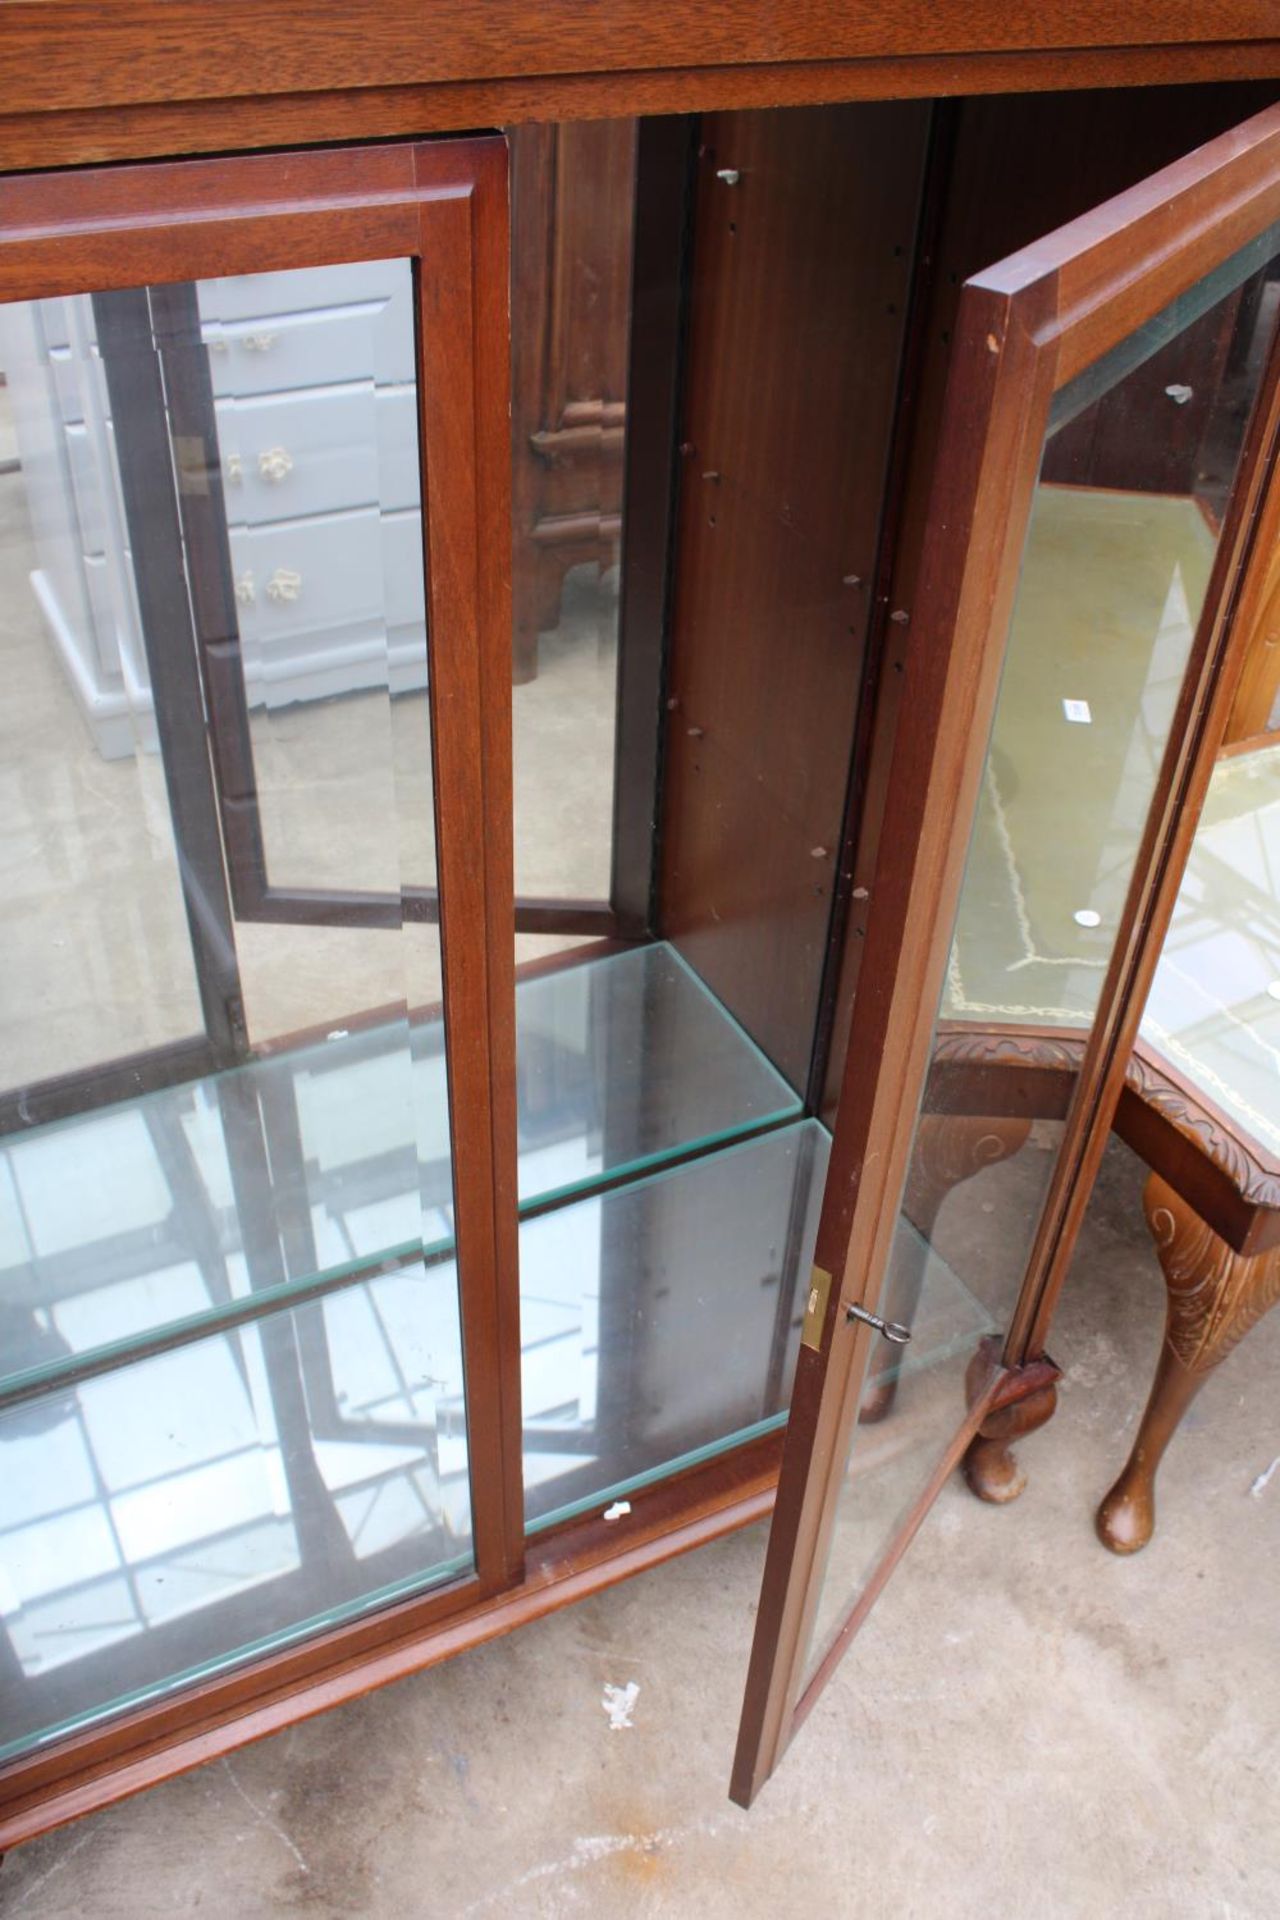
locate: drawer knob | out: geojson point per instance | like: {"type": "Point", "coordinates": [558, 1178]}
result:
{"type": "Point", "coordinates": [275, 464]}
{"type": "Point", "coordinates": [245, 591]}
{"type": "Point", "coordinates": [233, 469]}
{"type": "Point", "coordinates": [259, 342]}
{"type": "Point", "coordinates": [284, 586]}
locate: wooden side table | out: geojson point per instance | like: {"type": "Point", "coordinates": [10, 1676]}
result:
{"type": "Point", "coordinates": [1201, 1105]}
{"type": "Point", "coordinates": [1202, 1108]}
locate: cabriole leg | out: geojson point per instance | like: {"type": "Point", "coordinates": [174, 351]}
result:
{"type": "Point", "coordinates": [1214, 1297]}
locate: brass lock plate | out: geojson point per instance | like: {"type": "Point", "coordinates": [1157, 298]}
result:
{"type": "Point", "coordinates": [816, 1310]}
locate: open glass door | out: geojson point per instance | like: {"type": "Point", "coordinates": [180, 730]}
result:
{"type": "Point", "coordinates": [1071, 650]}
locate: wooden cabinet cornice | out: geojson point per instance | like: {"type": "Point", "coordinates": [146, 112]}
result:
{"type": "Point", "coordinates": [89, 83]}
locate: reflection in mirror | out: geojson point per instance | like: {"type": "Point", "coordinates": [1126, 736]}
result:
{"type": "Point", "coordinates": [572, 221]}
{"type": "Point", "coordinates": [231, 1398]}
{"type": "Point", "coordinates": [1136, 471]}
{"type": "Point", "coordinates": [178, 1510]}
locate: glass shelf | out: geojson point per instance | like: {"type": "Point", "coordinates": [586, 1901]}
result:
{"type": "Point", "coordinates": [185, 1208]}
{"type": "Point", "coordinates": [187, 1509]}
{"type": "Point", "coordinates": [661, 1321]}
{"type": "Point", "coordinates": [183, 1511]}
{"type": "Point", "coordinates": [626, 1062]}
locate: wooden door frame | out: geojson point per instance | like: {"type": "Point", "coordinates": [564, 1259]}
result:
{"type": "Point", "coordinates": [1026, 328]}
{"type": "Point", "coordinates": [443, 207]}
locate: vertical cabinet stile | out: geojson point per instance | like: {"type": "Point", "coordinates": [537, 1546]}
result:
{"type": "Point", "coordinates": [462, 344]}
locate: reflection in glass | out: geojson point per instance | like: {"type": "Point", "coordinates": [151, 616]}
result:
{"type": "Point", "coordinates": [1139, 461]}
{"type": "Point", "coordinates": [572, 216]}
{"type": "Point", "coordinates": [1214, 1007]}
{"type": "Point", "coordinates": [227, 1494]}
{"type": "Point", "coordinates": [630, 1063]}
{"type": "Point", "coordinates": [232, 1090]}
{"type": "Point", "coordinates": [660, 1320]}
{"type": "Point", "coordinates": [84, 815]}
{"type": "Point", "coordinates": [628, 1060]}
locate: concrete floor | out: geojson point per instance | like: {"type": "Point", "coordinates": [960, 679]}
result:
{"type": "Point", "coordinates": [1025, 1722]}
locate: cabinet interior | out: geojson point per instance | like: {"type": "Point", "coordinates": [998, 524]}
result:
{"type": "Point", "coordinates": [235, 1399]}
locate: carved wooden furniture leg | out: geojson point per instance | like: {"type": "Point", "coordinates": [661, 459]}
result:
{"type": "Point", "coordinates": [949, 1148]}
{"type": "Point", "coordinates": [1214, 1297]}
{"type": "Point", "coordinates": [1028, 1400]}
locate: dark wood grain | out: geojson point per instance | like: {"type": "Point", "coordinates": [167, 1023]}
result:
{"type": "Point", "coordinates": [39, 138]}
{"type": "Point", "coordinates": [70, 53]}
{"type": "Point", "coordinates": [464, 409]}
{"type": "Point", "coordinates": [87, 83]}
{"type": "Point", "coordinates": [805, 262]}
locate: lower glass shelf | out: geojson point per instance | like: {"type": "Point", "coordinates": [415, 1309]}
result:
{"type": "Point", "coordinates": [180, 1208]}
{"type": "Point", "coordinates": [660, 1320]}
{"type": "Point", "coordinates": [190, 1509]}
{"type": "Point", "coordinates": [183, 1511]}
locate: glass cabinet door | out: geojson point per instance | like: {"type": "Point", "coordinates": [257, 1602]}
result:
{"type": "Point", "coordinates": [249, 1374]}
{"type": "Point", "coordinates": [1070, 635]}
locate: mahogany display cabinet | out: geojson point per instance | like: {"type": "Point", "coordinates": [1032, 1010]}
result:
{"type": "Point", "coordinates": [496, 1090]}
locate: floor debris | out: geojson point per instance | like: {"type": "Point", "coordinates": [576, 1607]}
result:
{"type": "Point", "coordinates": [618, 1703]}
{"type": "Point", "coordinates": [1259, 1486]}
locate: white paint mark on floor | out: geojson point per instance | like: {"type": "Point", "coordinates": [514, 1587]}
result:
{"type": "Point", "coordinates": [593, 1847]}
{"type": "Point", "coordinates": [263, 1818]}
{"type": "Point", "coordinates": [33, 1886]}
{"type": "Point", "coordinates": [1260, 1485]}
{"type": "Point", "coordinates": [618, 1703]}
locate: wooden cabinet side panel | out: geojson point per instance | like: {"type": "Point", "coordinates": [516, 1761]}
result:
{"type": "Point", "coordinates": [799, 285]}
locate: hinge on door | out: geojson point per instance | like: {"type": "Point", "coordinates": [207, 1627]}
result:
{"type": "Point", "coordinates": [816, 1310]}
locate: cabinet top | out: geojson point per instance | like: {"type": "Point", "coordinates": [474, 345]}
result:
{"type": "Point", "coordinates": [86, 82]}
